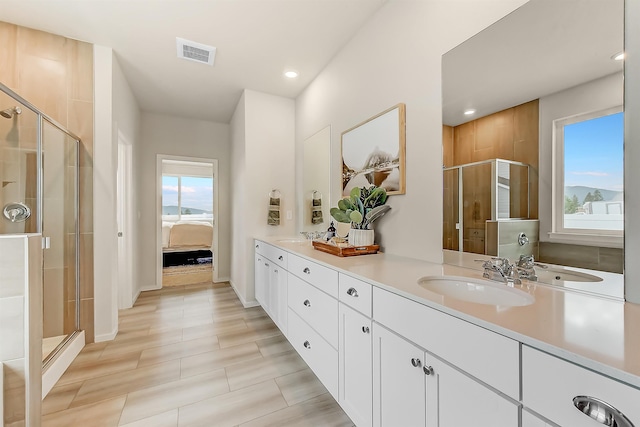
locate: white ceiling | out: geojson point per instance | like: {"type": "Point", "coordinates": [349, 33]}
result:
{"type": "Point", "coordinates": [256, 41]}
{"type": "Point", "coordinates": [541, 48]}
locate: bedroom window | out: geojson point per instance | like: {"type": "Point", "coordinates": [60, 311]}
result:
{"type": "Point", "coordinates": [187, 198]}
{"type": "Point", "coordinates": [588, 178]}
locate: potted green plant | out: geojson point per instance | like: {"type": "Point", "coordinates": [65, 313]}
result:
{"type": "Point", "coordinates": [361, 209]}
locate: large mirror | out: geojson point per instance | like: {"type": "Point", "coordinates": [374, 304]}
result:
{"type": "Point", "coordinates": [506, 92]}
{"type": "Point", "coordinates": [316, 181]}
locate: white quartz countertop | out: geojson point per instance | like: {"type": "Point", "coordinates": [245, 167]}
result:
{"type": "Point", "coordinates": [596, 332]}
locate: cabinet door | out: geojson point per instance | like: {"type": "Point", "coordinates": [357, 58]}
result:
{"type": "Point", "coordinates": [456, 400]}
{"type": "Point", "coordinates": [399, 387]}
{"type": "Point", "coordinates": [278, 296]}
{"type": "Point", "coordinates": [355, 392]}
{"type": "Point", "coordinates": [261, 276]}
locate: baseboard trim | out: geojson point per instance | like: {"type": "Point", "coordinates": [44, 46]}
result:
{"type": "Point", "coordinates": [223, 279]}
{"type": "Point", "coordinates": [61, 362]}
{"type": "Point", "coordinates": [245, 303]}
{"type": "Point", "coordinates": [106, 337]}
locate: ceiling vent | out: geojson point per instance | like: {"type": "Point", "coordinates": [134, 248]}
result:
{"type": "Point", "coordinates": [195, 51]}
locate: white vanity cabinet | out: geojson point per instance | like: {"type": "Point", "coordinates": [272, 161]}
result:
{"type": "Point", "coordinates": [550, 386]}
{"type": "Point", "coordinates": [271, 282]}
{"type": "Point", "coordinates": [399, 383]}
{"type": "Point", "coordinates": [313, 318]}
{"type": "Point", "coordinates": [414, 386]}
{"type": "Point", "coordinates": [355, 380]}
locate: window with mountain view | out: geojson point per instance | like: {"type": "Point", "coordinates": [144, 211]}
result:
{"type": "Point", "coordinates": [592, 173]}
{"type": "Point", "coordinates": [187, 197]}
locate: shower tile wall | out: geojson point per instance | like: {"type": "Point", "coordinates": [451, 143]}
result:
{"type": "Point", "coordinates": [56, 75]}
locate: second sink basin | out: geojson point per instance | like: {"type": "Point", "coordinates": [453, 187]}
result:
{"type": "Point", "coordinates": [476, 290]}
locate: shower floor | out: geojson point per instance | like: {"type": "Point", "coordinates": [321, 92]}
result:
{"type": "Point", "coordinates": [49, 344]}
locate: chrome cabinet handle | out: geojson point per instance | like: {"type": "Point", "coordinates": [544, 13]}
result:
{"type": "Point", "coordinates": [307, 303]}
{"type": "Point", "coordinates": [428, 370]}
{"type": "Point", "coordinates": [307, 345]}
{"type": "Point", "coordinates": [601, 411]}
{"type": "Point", "coordinates": [352, 292]}
{"type": "Point", "coordinates": [266, 265]}
{"type": "Point", "coordinates": [416, 362]}
{"type": "Point", "coordinates": [306, 270]}
{"type": "Point", "coordinates": [280, 257]}
{"type": "Point", "coordinates": [365, 329]}
{"type": "Point", "coordinates": [257, 246]}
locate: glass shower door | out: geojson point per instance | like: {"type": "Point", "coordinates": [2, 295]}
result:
{"type": "Point", "coordinates": [59, 229]}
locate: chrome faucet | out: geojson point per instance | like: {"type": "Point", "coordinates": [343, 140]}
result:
{"type": "Point", "coordinates": [501, 270]}
{"type": "Point", "coordinates": [526, 267]}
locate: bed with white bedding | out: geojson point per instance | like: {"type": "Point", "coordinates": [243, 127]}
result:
{"type": "Point", "coordinates": [184, 236]}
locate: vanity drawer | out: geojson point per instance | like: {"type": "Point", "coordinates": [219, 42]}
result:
{"type": "Point", "coordinates": [261, 247]}
{"type": "Point", "coordinates": [316, 352]}
{"type": "Point", "coordinates": [272, 253]}
{"type": "Point", "coordinates": [356, 294]}
{"type": "Point", "coordinates": [318, 309]}
{"type": "Point", "coordinates": [277, 255]}
{"type": "Point", "coordinates": [318, 275]}
{"type": "Point", "coordinates": [486, 355]}
{"type": "Point", "coordinates": [549, 385]}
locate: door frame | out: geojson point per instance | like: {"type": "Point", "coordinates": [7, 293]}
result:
{"type": "Point", "coordinates": [214, 247]}
{"type": "Point", "coordinates": [124, 220]}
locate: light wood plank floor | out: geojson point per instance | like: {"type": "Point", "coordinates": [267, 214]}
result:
{"type": "Point", "coordinates": [191, 356]}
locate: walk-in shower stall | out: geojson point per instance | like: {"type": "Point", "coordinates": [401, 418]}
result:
{"type": "Point", "coordinates": [39, 194]}
{"type": "Point", "coordinates": [474, 193]}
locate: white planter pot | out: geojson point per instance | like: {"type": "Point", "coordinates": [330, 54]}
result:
{"type": "Point", "coordinates": [361, 237]}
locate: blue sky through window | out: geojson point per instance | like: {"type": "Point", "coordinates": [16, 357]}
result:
{"type": "Point", "coordinates": [196, 192]}
{"type": "Point", "coordinates": [593, 152]}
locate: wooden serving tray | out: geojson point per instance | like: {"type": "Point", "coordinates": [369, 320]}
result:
{"type": "Point", "coordinates": [345, 251]}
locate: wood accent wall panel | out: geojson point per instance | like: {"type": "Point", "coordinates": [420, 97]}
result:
{"type": "Point", "coordinates": [511, 134]}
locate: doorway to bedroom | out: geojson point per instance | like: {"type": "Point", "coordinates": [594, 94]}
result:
{"type": "Point", "coordinates": [188, 221]}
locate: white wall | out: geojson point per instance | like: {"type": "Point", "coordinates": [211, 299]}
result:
{"type": "Point", "coordinates": [169, 135]}
{"type": "Point", "coordinates": [396, 57]}
{"type": "Point", "coordinates": [599, 94]}
{"type": "Point", "coordinates": [104, 199]}
{"type": "Point", "coordinates": [126, 117]}
{"type": "Point", "coordinates": [239, 246]}
{"type": "Point", "coordinates": [263, 158]}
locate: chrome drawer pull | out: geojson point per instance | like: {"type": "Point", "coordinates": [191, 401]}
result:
{"type": "Point", "coordinates": [257, 246]}
{"type": "Point", "coordinates": [416, 362]}
{"type": "Point", "coordinates": [280, 257]}
{"type": "Point", "coordinates": [307, 303]}
{"type": "Point", "coordinates": [428, 370]}
{"type": "Point", "coordinates": [365, 329]}
{"type": "Point", "coordinates": [306, 270]}
{"type": "Point", "coordinates": [307, 345]}
{"type": "Point", "coordinates": [352, 292]}
{"type": "Point", "coordinates": [601, 411]}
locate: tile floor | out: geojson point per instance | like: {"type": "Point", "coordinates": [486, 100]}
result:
{"type": "Point", "coordinates": [191, 356]}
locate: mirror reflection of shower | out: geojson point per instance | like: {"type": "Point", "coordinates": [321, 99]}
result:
{"type": "Point", "coordinates": [10, 112]}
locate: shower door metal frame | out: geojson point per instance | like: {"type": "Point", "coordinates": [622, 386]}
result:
{"type": "Point", "coordinates": [494, 193]}
{"type": "Point", "coordinates": [39, 203]}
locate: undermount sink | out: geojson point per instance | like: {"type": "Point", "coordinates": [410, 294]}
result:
{"type": "Point", "coordinates": [553, 275]}
{"type": "Point", "coordinates": [476, 290]}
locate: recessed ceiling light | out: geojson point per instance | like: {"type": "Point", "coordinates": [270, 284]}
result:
{"type": "Point", "coordinates": [291, 74]}
{"type": "Point", "coordinates": [618, 56]}
{"type": "Point", "coordinates": [469, 112]}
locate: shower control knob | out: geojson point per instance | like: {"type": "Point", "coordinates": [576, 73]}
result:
{"type": "Point", "coordinates": [16, 212]}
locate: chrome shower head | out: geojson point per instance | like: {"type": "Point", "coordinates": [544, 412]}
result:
{"type": "Point", "coordinates": [10, 112]}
